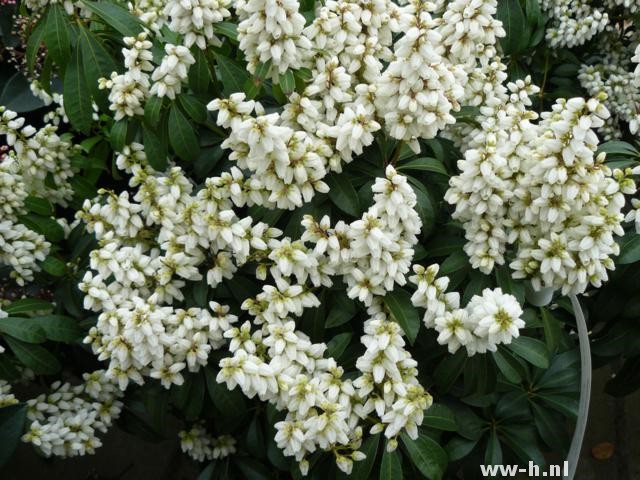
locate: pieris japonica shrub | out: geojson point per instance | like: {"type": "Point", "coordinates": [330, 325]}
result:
{"type": "Point", "coordinates": [307, 230]}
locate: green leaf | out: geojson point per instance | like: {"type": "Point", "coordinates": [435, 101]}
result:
{"type": "Point", "coordinates": [342, 194]}
{"type": "Point", "coordinates": [228, 29]}
{"type": "Point", "coordinates": [116, 17]}
{"type": "Point", "coordinates": [552, 330]}
{"type": "Point", "coordinates": [510, 13]}
{"type": "Point", "coordinates": [440, 417]}
{"type": "Point", "coordinates": [449, 369]}
{"type": "Point", "coordinates": [97, 60]}
{"type": "Point", "coordinates": [550, 429]}
{"type": "Point", "coordinates": [193, 107]}
{"type": "Point", "coordinates": [391, 466]}
{"type": "Point", "coordinates": [12, 420]}
{"type": "Point", "coordinates": [617, 147]}
{"type": "Point", "coordinates": [629, 249]}
{"type": "Point", "coordinates": [532, 350]}
{"type": "Point", "coordinates": [426, 455]}
{"type": "Point", "coordinates": [425, 205]}
{"type": "Point", "coordinates": [182, 137]}
{"type": "Point", "coordinates": [252, 469]}
{"type": "Point", "coordinates": [232, 74]}
{"type": "Point", "coordinates": [54, 266]}
{"type": "Point", "coordinates": [17, 96]}
{"type": "Point", "coordinates": [24, 329]}
{"type": "Point", "coordinates": [508, 284]}
{"type": "Point", "coordinates": [454, 262]}
{"type": "Point", "coordinates": [493, 453]}
{"type": "Point", "coordinates": [338, 344]}
{"type": "Point", "coordinates": [424, 164]}
{"type": "Point", "coordinates": [155, 149]}
{"type": "Point", "coordinates": [28, 305]}
{"type": "Point", "coordinates": [403, 312]}
{"type": "Point", "coordinates": [362, 469]}
{"type": "Point", "coordinates": [521, 439]}
{"type": "Point", "coordinates": [77, 99]}
{"type": "Point", "coordinates": [153, 110]}
{"type": "Point", "coordinates": [38, 205]}
{"type": "Point", "coordinates": [341, 312]}
{"type": "Point", "coordinates": [35, 357]}
{"type": "Point", "coordinates": [34, 44]}
{"type": "Point", "coordinates": [508, 366]}
{"type": "Point", "coordinates": [56, 35]}
{"type": "Point", "coordinates": [287, 82]}
{"type": "Point", "coordinates": [262, 70]}
{"type": "Point", "coordinates": [255, 438]}
{"type": "Point", "coordinates": [59, 328]}
{"type": "Point", "coordinates": [199, 74]}
{"type": "Point", "coordinates": [118, 134]}
{"type": "Point", "coordinates": [459, 448]}
{"type": "Point", "coordinates": [46, 226]}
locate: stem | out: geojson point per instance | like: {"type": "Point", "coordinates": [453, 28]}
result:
{"type": "Point", "coordinates": [544, 79]}
{"type": "Point", "coordinates": [585, 388]}
{"type": "Point", "coordinates": [396, 153]}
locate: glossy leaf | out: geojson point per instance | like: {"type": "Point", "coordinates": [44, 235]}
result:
{"type": "Point", "coordinates": [398, 302]}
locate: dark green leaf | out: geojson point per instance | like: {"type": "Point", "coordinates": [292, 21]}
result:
{"type": "Point", "coordinates": [182, 136]}
{"type": "Point", "coordinates": [337, 345]}
{"type": "Point", "coordinates": [116, 17]}
{"type": "Point", "coordinates": [391, 466]}
{"type": "Point", "coordinates": [24, 329]}
{"type": "Point", "coordinates": [629, 249]}
{"type": "Point", "coordinates": [532, 350]}
{"type": "Point", "coordinates": [342, 194]}
{"type": "Point", "coordinates": [77, 99]}
{"type": "Point", "coordinates": [459, 448]}
{"type": "Point", "coordinates": [59, 328]}
{"type": "Point", "coordinates": [12, 420]}
{"type": "Point", "coordinates": [232, 74]}
{"type": "Point", "coordinates": [155, 149]}
{"type": "Point", "coordinates": [35, 357]}
{"type": "Point", "coordinates": [362, 469]}
{"type": "Point", "coordinates": [97, 60]}
{"type": "Point", "coordinates": [118, 135]}
{"type": "Point", "coordinates": [440, 417]}
{"type": "Point", "coordinates": [255, 438]}
{"type": "Point", "coordinates": [424, 164]}
{"type": "Point", "coordinates": [341, 312]}
{"type": "Point", "coordinates": [199, 74]}
{"type": "Point", "coordinates": [34, 44]}
{"type": "Point", "coordinates": [510, 14]}
{"type": "Point", "coordinates": [228, 29]}
{"type": "Point", "coordinates": [426, 455]}
{"type": "Point", "coordinates": [449, 369]}
{"type": "Point", "coordinates": [57, 36]}
{"type": "Point", "coordinates": [193, 107]}
{"type": "Point", "coordinates": [507, 365]}
{"type": "Point", "coordinates": [54, 266]}
{"type": "Point", "coordinates": [552, 330]}
{"type": "Point", "coordinates": [287, 82]}
{"type": "Point", "coordinates": [403, 312]}
{"type": "Point", "coordinates": [38, 205]}
{"type": "Point", "coordinates": [152, 110]}
{"type": "Point", "coordinates": [45, 225]}
{"type": "Point", "coordinates": [28, 305]}
{"type": "Point", "coordinates": [493, 453]}
{"type": "Point", "coordinates": [17, 96]}
{"type": "Point", "coordinates": [454, 262]}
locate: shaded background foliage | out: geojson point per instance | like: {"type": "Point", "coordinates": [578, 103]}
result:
{"type": "Point", "coordinates": [511, 406]}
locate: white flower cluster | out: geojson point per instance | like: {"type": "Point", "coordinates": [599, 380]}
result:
{"type": "Point", "coordinates": [487, 321]}
{"type": "Point", "coordinates": [195, 20]}
{"type": "Point", "coordinates": [129, 91]}
{"type": "Point", "coordinates": [37, 163]}
{"type": "Point", "coordinates": [287, 166]}
{"type": "Point", "coordinates": [199, 445]}
{"type": "Point", "coordinates": [575, 22]}
{"type": "Point", "coordinates": [541, 187]}
{"type": "Point", "coordinates": [6, 397]}
{"type": "Point", "coordinates": [160, 342]}
{"type": "Point", "coordinates": [270, 32]}
{"type": "Point", "coordinates": [66, 422]}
